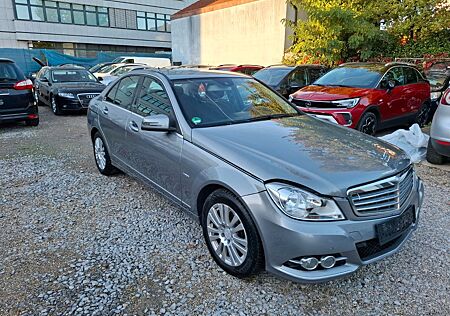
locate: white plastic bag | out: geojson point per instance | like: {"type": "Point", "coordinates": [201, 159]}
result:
{"type": "Point", "coordinates": [412, 141]}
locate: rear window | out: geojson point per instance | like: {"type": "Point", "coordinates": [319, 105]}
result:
{"type": "Point", "coordinates": [10, 72]}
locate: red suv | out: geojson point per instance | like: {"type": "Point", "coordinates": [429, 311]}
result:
{"type": "Point", "coordinates": [245, 69]}
{"type": "Point", "coordinates": [368, 96]}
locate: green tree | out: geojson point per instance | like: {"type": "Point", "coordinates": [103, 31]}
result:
{"type": "Point", "coordinates": [339, 30]}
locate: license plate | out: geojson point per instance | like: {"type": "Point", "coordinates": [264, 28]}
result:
{"type": "Point", "coordinates": [395, 227]}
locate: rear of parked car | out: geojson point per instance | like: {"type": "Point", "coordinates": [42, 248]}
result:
{"type": "Point", "coordinates": [439, 143]}
{"type": "Point", "coordinates": [16, 95]}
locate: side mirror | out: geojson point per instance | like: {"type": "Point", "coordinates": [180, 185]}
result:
{"type": "Point", "coordinates": [100, 78]}
{"type": "Point", "coordinates": [157, 123]}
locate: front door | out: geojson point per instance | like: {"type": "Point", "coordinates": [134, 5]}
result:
{"type": "Point", "coordinates": [395, 97]}
{"type": "Point", "coordinates": [114, 112]}
{"type": "Point", "coordinates": [155, 155]}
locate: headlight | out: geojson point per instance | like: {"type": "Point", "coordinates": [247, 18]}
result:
{"type": "Point", "coordinates": [300, 204]}
{"type": "Point", "coordinates": [66, 95]}
{"type": "Point", "coordinates": [435, 95]}
{"type": "Point", "coordinates": [347, 103]}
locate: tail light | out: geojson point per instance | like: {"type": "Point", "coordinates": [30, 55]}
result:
{"type": "Point", "coordinates": [446, 98]}
{"type": "Point", "coordinates": [24, 85]}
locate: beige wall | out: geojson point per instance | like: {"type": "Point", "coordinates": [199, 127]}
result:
{"type": "Point", "coordinates": [248, 33]}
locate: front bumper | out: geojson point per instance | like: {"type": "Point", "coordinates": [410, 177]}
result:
{"type": "Point", "coordinates": [285, 239]}
{"type": "Point", "coordinates": [70, 104]}
{"type": "Point", "coordinates": [341, 116]}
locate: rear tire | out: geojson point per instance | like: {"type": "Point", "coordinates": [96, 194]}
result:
{"type": "Point", "coordinates": [33, 122]}
{"type": "Point", "coordinates": [231, 235]}
{"type": "Point", "coordinates": [433, 156]}
{"type": "Point", "coordinates": [368, 123]}
{"type": "Point", "coordinates": [101, 155]}
{"type": "Point", "coordinates": [54, 106]}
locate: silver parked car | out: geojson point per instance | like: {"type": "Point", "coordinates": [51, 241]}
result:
{"type": "Point", "coordinates": [439, 143]}
{"type": "Point", "coordinates": [273, 188]}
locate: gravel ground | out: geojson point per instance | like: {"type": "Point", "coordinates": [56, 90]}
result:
{"type": "Point", "coordinates": [73, 242]}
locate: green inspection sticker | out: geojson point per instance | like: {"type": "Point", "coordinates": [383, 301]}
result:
{"type": "Point", "coordinates": [196, 120]}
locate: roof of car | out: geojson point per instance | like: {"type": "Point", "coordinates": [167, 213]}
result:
{"type": "Point", "coordinates": [65, 68]}
{"type": "Point", "coordinates": [376, 65]}
{"type": "Point", "coordinates": [190, 73]}
{"type": "Point", "coordinates": [282, 66]}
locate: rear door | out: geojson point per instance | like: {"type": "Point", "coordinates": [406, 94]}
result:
{"type": "Point", "coordinates": [114, 112]}
{"type": "Point", "coordinates": [11, 99]}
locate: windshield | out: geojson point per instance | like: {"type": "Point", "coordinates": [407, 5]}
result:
{"type": "Point", "coordinates": [108, 68]}
{"type": "Point", "coordinates": [122, 70]}
{"type": "Point", "coordinates": [118, 60]}
{"type": "Point", "coordinates": [222, 101]}
{"type": "Point", "coordinates": [71, 75]}
{"type": "Point", "coordinates": [356, 77]}
{"type": "Point", "coordinates": [272, 76]}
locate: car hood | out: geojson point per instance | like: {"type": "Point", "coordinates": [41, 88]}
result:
{"type": "Point", "coordinates": [79, 87]}
{"type": "Point", "coordinates": [323, 157]}
{"type": "Point", "coordinates": [329, 93]}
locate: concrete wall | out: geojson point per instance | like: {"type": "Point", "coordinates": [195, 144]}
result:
{"type": "Point", "coordinates": [16, 34]}
{"type": "Point", "coordinates": [246, 33]}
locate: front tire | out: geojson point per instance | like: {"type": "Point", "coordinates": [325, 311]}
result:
{"type": "Point", "coordinates": [368, 123]}
{"type": "Point", "coordinates": [231, 235]}
{"type": "Point", "coordinates": [102, 158]}
{"type": "Point", "coordinates": [433, 156]}
{"type": "Point", "coordinates": [54, 106]}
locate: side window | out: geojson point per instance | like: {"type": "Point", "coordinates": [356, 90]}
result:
{"type": "Point", "coordinates": [111, 95]}
{"type": "Point", "coordinates": [410, 75]}
{"type": "Point", "coordinates": [125, 89]}
{"type": "Point", "coordinates": [395, 74]}
{"type": "Point", "coordinates": [298, 77]}
{"type": "Point", "coordinates": [46, 74]}
{"type": "Point", "coordinates": [420, 77]}
{"type": "Point", "coordinates": [152, 99]}
{"type": "Point", "coordinates": [316, 73]}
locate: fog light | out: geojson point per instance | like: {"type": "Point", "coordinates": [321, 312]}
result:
{"type": "Point", "coordinates": [327, 262]}
{"type": "Point", "coordinates": [309, 263]}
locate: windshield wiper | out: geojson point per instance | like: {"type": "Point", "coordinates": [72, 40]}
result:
{"type": "Point", "coordinates": [267, 117]}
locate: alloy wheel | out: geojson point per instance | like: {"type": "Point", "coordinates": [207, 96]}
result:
{"type": "Point", "coordinates": [227, 234]}
{"type": "Point", "coordinates": [100, 156]}
{"type": "Point", "coordinates": [369, 126]}
{"type": "Point", "coordinates": [54, 105]}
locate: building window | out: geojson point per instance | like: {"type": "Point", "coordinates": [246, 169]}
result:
{"type": "Point", "coordinates": [61, 12]}
{"type": "Point", "coordinates": [153, 21]}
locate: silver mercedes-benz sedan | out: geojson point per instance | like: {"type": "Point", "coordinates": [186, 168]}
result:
{"type": "Point", "coordinates": [272, 188]}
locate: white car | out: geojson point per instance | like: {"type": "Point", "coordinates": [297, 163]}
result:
{"type": "Point", "coordinates": [116, 73]}
{"type": "Point", "coordinates": [108, 71]}
{"type": "Point", "coordinates": [157, 62]}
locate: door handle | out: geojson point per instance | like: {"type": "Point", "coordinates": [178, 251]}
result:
{"type": "Point", "coordinates": [105, 110]}
{"type": "Point", "coordinates": [133, 126]}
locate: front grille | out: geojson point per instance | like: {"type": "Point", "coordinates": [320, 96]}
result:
{"type": "Point", "coordinates": [371, 248]}
{"type": "Point", "coordinates": [386, 195]}
{"type": "Point", "coordinates": [314, 104]}
{"type": "Point", "coordinates": [85, 98]}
